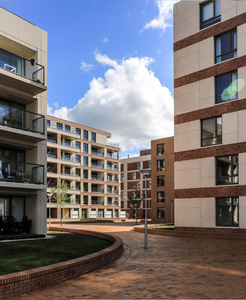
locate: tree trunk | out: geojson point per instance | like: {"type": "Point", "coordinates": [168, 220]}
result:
{"type": "Point", "coordinates": [136, 212]}
{"type": "Point", "coordinates": [61, 216]}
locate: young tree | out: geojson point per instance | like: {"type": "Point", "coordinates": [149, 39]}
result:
{"type": "Point", "coordinates": [135, 197]}
{"type": "Point", "coordinates": [59, 195]}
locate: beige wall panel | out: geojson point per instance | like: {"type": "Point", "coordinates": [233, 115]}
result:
{"type": "Point", "coordinates": [230, 128]}
{"type": "Point", "coordinates": [242, 131]}
{"type": "Point", "coordinates": [207, 88]}
{"type": "Point", "coordinates": [242, 168]}
{"type": "Point", "coordinates": [207, 172]}
{"type": "Point", "coordinates": [186, 103]}
{"type": "Point", "coordinates": [181, 13]}
{"type": "Point", "coordinates": [186, 28]}
{"type": "Point", "coordinates": [187, 179]}
{"type": "Point", "coordinates": [242, 212]}
{"type": "Point", "coordinates": [101, 139]}
{"type": "Point", "coordinates": [206, 48]}
{"type": "Point", "coordinates": [241, 6]}
{"type": "Point", "coordinates": [187, 165]}
{"type": "Point", "coordinates": [242, 75]}
{"type": "Point", "coordinates": [228, 10]}
{"type": "Point", "coordinates": [187, 217]}
{"type": "Point", "coordinates": [241, 42]}
{"type": "Point", "coordinates": [207, 222]}
{"type": "Point", "coordinates": [208, 208]}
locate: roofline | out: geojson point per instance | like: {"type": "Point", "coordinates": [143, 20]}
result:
{"type": "Point", "coordinates": [17, 16]}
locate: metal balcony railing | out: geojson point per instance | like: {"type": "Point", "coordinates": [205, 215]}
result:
{"type": "Point", "coordinates": [114, 156]}
{"type": "Point", "coordinates": [70, 173]}
{"type": "Point", "coordinates": [13, 171]}
{"type": "Point", "coordinates": [21, 66]}
{"type": "Point", "coordinates": [112, 168]}
{"type": "Point", "coordinates": [112, 192]}
{"type": "Point", "coordinates": [69, 159]}
{"type": "Point", "coordinates": [51, 170]}
{"type": "Point", "coordinates": [109, 143]}
{"type": "Point", "coordinates": [96, 190]}
{"type": "Point", "coordinates": [62, 129]}
{"type": "Point", "coordinates": [97, 153]}
{"type": "Point", "coordinates": [52, 155]}
{"type": "Point", "coordinates": [95, 202]}
{"type": "Point", "coordinates": [97, 178]}
{"type": "Point", "coordinates": [112, 180]}
{"type": "Point", "coordinates": [113, 204]}
{"type": "Point", "coordinates": [69, 145]}
{"type": "Point", "coordinates": [21, 119]}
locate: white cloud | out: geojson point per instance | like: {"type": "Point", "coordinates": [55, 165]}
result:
{"type": "Point", "coordinates": [161, 22]}
{"type": "Point", "coordinates": [56, 105]}
{"type": "Point", "coordinates": [86, 67]}
{"type": "Point", "coordinates": [105, 40]}
{"type": "Point", "coordinates": [158, 51]}
{"type": "Point", "coordinates": [49, 110]}
{"type": "Point", "coordinates": [130, 102]}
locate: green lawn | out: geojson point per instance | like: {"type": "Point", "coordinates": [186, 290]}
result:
{"type": "Point", "coordinates": [25, 255]}
{"type": "Point", "coordinates": [168, 227]}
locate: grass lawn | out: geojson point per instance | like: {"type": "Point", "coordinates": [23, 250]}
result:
{"type": "Point", "coordinates": [25, 255]}
{"type": "Point", "coordinates": [168, 227]}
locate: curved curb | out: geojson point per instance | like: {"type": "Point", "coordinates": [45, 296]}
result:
{"type": "Point", "coordinates": [25, 282]}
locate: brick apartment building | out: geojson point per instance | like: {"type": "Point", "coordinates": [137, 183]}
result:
{"type": "Point", "coordinates": [88, 163]}
{"type": "Point", "coordinates": [210, 115]}
{"type": "Point", "coordinates": [160, 183]}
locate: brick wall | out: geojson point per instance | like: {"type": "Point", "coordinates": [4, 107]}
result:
{"type": "Point", "coordinates": [25, 282]}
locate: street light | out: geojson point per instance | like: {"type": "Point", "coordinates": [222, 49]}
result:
{"type": "Point", "coordinates": [49, 195]}
{"type": "Point", "coordinates": [145, 173]}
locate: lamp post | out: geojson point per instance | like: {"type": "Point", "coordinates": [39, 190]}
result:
{"type": "Point", "coordinates": [172, 211]}
{"type": "Point", "coordinates": [145, 173]}
{"type": "Point", "coordinates": [49, 195]}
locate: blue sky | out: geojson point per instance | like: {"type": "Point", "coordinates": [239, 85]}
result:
{"type": "Point", "coordinates": [110, 64]}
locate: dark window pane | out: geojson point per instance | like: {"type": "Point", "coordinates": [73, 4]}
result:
{"type": "Point", "coordinates": [227, 170]}
{"type": "Point", "coordinates": [227, 212]}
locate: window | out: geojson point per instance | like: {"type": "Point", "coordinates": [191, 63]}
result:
{"type": "Point", "coordinates": [68, 183]}
{"type": "Point", "coordinates": [67, 128]}
{"type": "Point", "coordinates": [85, 174]}
{"type": "Point", "coordinates": [160, 149]}
{"type": "Point", "coordinates": [48, 123]}
{"type": "Point", "coordinates": [226, 46]}
{"type": "Point", "coordinates": [77, 131]}
{"type": "Point", "coordinates": [85, 161]}
{"type": "Point", "coordinates": [85, 200]}
{"type": "Point", "coordinates": [134, 175]}
{"type": "Point", "coordinates": [122, 195]}
{"type": "Point", "coordinates": [227, 170]}
{"type": "Point", "coordinates": [67, 143]}
{"type": "Point", "coordinates": [93, 137]}
{"type": "Point", "coordinates": [226, 87]}
{"type": "Point", "coordinates": [160, 181]}
{"type": "Point", "coordinates": [85, 148]}
{"type": "Point", "coordinates": [67, 170]}
{"type": "Point", "coordinates": [77, 158]}
{"type": "Point", "coordinates": [85, 188]}
{"type": "Point", "coordinates": [77, 186]}
{"type": "Point", "coordinates": [77, 145]}
{"type": "Point", "coordinates": [67, 156]}
{"type": "Point", "coordinates": [227, 212]}
{"type": "Point", "coordinates": [139, 165]}
{"type": "Point", "coordinates": [77, 199]}
{"type": "Point", "coordinates": [161, 165]}
{"type": "Point", "coordinates": [149, 164]}
{"type": "Point", "coordinates": [122, 176]}
{"type": "Point", "coordinates": [139, 184]}
{"type": "Point", "coordinates": [160, 197]}
{"type": "Point", "coordinates": [59, 126]}
{"type": "Point", "coordinates": [211, 130]}
{"type": "Point", "coordinates": [210, 12]}
{"type": "Point", "coordinates": [100, 213]}
{"type": "Point", "coordinates": [77, 172]}
{"type": "Point", "coordinates": [85, 135]}
{"type": "Point", "coordinates": [160, 212]}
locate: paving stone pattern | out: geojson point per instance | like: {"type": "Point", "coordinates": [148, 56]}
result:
{"type": "Point", "coordinates": [171, 268]}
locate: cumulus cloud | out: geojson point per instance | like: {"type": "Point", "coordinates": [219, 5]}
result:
{"type": "Point", "coordinates": [105, 40]}
{"type": "Point", "coordinates": [86, 67]}
{"type": "Point", "coordinates": [129, 101]}
{"type": "Point", "coordinates": [162, 21]}
{"type": "Point", "coordinates": [49, 110]}
{"type": "Point", "coordinates": [56, 105]}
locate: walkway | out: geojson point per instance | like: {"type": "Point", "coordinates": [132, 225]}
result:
{"type": "Point", "coordinates": [178, 268]}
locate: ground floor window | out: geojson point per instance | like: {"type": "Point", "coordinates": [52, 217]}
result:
{"type": "Point", "coordinates": [75, 213]}
{"type": "Point", "coordinates": [12, 206]}
{"type": "Point", "coordinates": [100, 213]}
{"type": "Point", "coordinates": [160, 212]}
{"type": "Point", "coordinates": [84, 214]}
{"type": "Point", "coordinates": [227, 211]}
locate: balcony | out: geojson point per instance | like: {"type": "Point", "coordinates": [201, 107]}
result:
{"type": "Point", "coordinates": [112, 168]}
{"type": "Point", "coordinates": [112, 192]}
{"type": "Point", "coordinates": [112, 180]}
{"type": "Point", "coordinates": [97, 178]}
{"type": "Point", "coordinates": [54, 126]}
{"type": "Point", "coordinates": [94, 152]}
{"type": "Point", "coordinates": [109, 143]}
{"type": "Point", "coordinates": [17, 72]}
{"type": "Point", "coordinates": [97, 190]}
{"type": "Point", "coordinates": [115, 203]}
{"type": "Point", "coordinates": [69, 159]}
{"type": "Point", "coordinates": [51, 140]}
{"type": "Point", "coordinates": [20, 172]}
{"type": "Point", "coordinates": [51, 155]}
{"type": "Point", "coordinates": [70, 173]}
{"type": "Point", "coordinates": [51, 170]}
{"type": "Point", "coordinates": [111, 155]}
{"type": "Point", "coordinates": [97, 202]}
{"type": "Point", "coordinates": [69, 145]}
{"type": "Point", "coordinates": [95, 165]}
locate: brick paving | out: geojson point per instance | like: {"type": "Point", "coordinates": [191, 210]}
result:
{"type": "Point", "coordinates": [171, 268]}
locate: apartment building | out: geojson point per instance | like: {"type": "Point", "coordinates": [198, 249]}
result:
{"type": "Point", "coordinates": [88, 163]}
{"type": "Point", "coordinates": [130, 177]}
{"type": "Point", "coordinates": [210, 115]}
{"type": "Point", "coordinates": [162, 180]}
{"type": "Point", "coordinates": [23, 104]}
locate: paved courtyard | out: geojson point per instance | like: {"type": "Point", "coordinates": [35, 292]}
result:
{"type": "Point", "coordinates": [171, 268]}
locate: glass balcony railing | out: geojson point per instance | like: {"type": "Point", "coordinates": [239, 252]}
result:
{"type": "Point", "coordinates": [13, 171]}
{"type": "Point", "coordinates": [97, 190]}
{"type": "Point", "coordinates": [69, 145]}
{"type": "Point", "coordinates": [112, 192]}
{"type": "Point", "coordinates": [96, 153]}
{"type": "Point", "coordinates": [96, 165]}
{"type": "Point", "coordinates": [97, 178]}
{"type": "Point", "coordinates": [62, 129]}
{"type": "Point", "coordinates": [51, 170]}
{"type": "Point", "coordinates": [95, 202]}
{"type": "Point", "coordinates": [109, 143]}
{"type": "Point", "coordinates": [112, 180]}
{"type": "Point", "coordinates": [69, 158]}
{"type": "Point", "coordinates": [21, 119]}
{"type": "Point", "coordinates": [70, 173]}
{"type": "Point", "coordinates": [113, 204]}
{"type": "Point", "coordinates": [51, 155]}
{"type": "Point", "coordinates": [21, 66]}
{"type": "Point", "coordinates": [51, 140]}
{"type": "Point", "coordinates": [112, 168]}
{"type": "Point", "coordinates": [114, 156]}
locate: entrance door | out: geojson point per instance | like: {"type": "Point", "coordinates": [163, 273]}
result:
{"type": "Point", "coordinates": [4, 207]}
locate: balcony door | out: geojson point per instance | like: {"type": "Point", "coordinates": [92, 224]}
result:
{"type": "Point", "coordinates": [12, 206]}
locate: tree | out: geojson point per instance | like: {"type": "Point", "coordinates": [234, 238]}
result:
{"type": "Point", "coordinates": [59, 195]}
{"type": "Point", "coordinates": [135, 197]}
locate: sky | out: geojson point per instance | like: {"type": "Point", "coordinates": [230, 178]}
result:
{"type": "Point", "coordinates": [110, 65]}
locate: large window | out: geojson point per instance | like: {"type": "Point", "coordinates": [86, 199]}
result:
{"type": "Point", "coordinates": [77, 145]}
{"type": "Point", "coordinates": [77, 158]}
{"type": "Point", "coordinates": [93, 137]}
{"type": "Point", "coordinates": [160, 149]}
{"type": "Point", "coordinates": [227, 170]}
{"type": "Point", "coordinates": [67, 128]}
{"type": "Point", "coordinates": [160, 197]}
{"type": "Point", "coordinates": [134, 175]}
{"type": "Point", "coordinates": [85, 148]}
{"type": "Point", "coordinates": [160, 181]}
{"type": "Point", "coordinates": [85, 161]}
{"type": "Point", "coordinates": [211, 131]}
{"type": "Point", "coordinates": [59, 126]}
{"type": "Point", "coordinates": [85, 134]}
{"type": "Point", "coordinates": [139, 165]}
{"type": "Point", "coordinates": [226, 46]}
{"type": "Point", "coordinates": [161, 165]}
{"type": "Point", "coordinates": [77, 131]}
{"type": "Point", "coordinates": [210, 12]}
{"type": "Point", "coordinates": [160, 212]}
{"type": "Point", "coordinates": [226, 87]}
{"type": "Point", "coordinates": [227, 212]}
